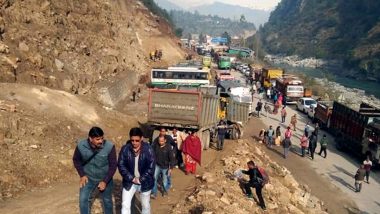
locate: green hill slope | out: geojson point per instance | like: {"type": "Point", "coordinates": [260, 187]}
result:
{"type": "Point", "coordinates": [212, 25]}
{"type": "Point", "coordinates": [348, 30]}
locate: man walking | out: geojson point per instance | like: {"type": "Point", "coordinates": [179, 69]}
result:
{"type": "Point", "coordinates": [259, 107]}
{"type": "Point", "coordinates": [256, 181]}
{"type": "Point", "coordinates": [95, 161]}
{"type": "Point", "coordinates": [287, 142]}
{"type": "Point", "coordinates": [367, 166]}
{"type": "Point", "coordinates": [165, 161]}
{"type": "Point", "coordinates": [170, 141]}
{"type": "Point", "coordinates": [323, 146]}
{"type": "Point", "coordinates": [136, 166]}
{"type": "Point", "coordinates": [222, 129]}
{"type": "Point", "coordinates": [283, 114]}
{"type": "Point", "coordinates": [270, 134]}
{"type": "Point", "coordinates": [359, 178]}
{"type": "Point", "coordinates": [312, 144]}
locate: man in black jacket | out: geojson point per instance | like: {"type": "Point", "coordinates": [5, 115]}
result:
{"type": "Point", "coordinates": [136, 165]}
{"type": "Point", "coordinates": [255, 181]}
{"type": "Point", "coordinates": [171, 142]}
{"type": "Point", "coordinates": [165, 161]}
{"type": "Point", "coordinates": [313, 144]}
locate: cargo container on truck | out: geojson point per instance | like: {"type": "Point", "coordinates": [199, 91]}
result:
{"type": "Point", "coordinates": [357, 131]}
{"type": "Point", "coordinates": [196, 109]}
{"type": "Point", "coordinates": [322, 113]}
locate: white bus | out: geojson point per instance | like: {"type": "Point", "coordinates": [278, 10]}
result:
{"type": "Point", "coordinates": [171, 78]}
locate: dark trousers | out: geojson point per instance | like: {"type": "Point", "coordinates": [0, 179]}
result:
{"type": "Point", "coordinates": [221, 141]}
{"type": "Point", "coordinates": [367, 175]}
{"type": "Point", "coordinates": [324, 150]}
{"type": "Point", "coordinates": [179, 158]}
{"type": "Point", "coordinates": [85, 197]}
{"type": "Point", "coordinates": [312, 151]}
{"type": "Point", "coordinates": [283, 119]}
{"type": "Point", "coordinates": [259, 194]}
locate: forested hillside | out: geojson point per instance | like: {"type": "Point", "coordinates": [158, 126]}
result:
{"type": "Point", "coordinates": [343, 29]}
{"type": "Point", "coordinates": [195, 23]}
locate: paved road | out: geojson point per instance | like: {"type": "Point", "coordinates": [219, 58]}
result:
{"type": "Point", "coordinates": [338, 168]}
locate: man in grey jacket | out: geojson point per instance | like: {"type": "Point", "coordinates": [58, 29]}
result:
{"type": "Point", "coordinates": [95, 160]}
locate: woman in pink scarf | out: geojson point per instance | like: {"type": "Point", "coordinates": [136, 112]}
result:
{"type": "Point", "coordinates": [192, 148]}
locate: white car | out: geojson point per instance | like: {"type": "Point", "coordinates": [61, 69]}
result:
{"type": "Point", "coordinates": [305, 103]}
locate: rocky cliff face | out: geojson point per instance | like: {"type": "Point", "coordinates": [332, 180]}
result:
{"type": "Point", "coordinates": [80, 46]}
{"type": "Point", "coordinates": [345, 30]}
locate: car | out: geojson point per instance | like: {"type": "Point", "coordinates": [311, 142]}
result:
{"type": "Point", "coordinates": [311, 112]}
{"type": "Point", "coordinates": [305, 103]}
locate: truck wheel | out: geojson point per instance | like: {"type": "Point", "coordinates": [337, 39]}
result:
{"type": "Point", "coordinates": [235, 134]}
{"type": "Point", "coordinates": [206, 139]}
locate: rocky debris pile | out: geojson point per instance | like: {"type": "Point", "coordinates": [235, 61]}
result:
{"type": "Point", "coordinates": [350, 96]}
{"type": "Point", "coordinates": [219, 191]}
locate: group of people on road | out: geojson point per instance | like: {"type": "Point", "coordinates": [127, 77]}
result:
{"type": "Point", "coordinates": [141, 165]}
{"type": "Point", "coordinates": [155, 55]}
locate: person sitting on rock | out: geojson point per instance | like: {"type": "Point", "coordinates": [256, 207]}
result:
{"type": "Point", "coordinates": [256, 180]}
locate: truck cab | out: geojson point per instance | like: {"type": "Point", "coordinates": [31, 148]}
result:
{"type": "Point", "coordinates": [371, 141]}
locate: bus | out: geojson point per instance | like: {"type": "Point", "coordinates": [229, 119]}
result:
{"type": "Point", "coordinates": [175, 76]}
{"type": "Point", "coordinates": [224, 62]}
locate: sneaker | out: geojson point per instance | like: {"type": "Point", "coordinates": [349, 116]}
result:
{"type": "Point", "coordinates": [153, 196]}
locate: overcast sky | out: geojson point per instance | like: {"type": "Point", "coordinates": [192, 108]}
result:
{"type": "Point", "coordinates": [258, 4]}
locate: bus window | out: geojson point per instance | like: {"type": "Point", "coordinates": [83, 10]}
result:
{"type": "Point", "coordinates": [176, 75]}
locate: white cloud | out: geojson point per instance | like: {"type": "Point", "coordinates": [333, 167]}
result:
{"type": "Point", "coordinates": [257, 4]}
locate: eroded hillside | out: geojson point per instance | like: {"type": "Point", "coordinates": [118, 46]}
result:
{"type": "Point", "coordinates": [81, 46]}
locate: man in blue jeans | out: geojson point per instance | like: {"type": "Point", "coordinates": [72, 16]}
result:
{"type": "Point", "coordinates": [270, 134]}
{"type": "Point", "coordinates": [95, 160]}
{"type": "Point", "coordinates": [136, 166]}
{"type": "Point", "coordinates": [165, 161]}
{"type": "Point", "coordinates": [222, 130]}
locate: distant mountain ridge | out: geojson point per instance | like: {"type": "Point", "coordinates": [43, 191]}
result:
{"type": "Point", "coordinates": [347, 30]}
{"type": "Point", "coordinates": [195, 23]}
{"type": "Point", "coordinates": [167, 5]}
{"type": "Point", "coordinates": [258, 17]}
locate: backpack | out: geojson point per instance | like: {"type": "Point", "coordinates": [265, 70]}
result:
{"type": "Point", "coordinates": [264, 175]}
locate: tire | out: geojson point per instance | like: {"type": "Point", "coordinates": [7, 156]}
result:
{"type": "Point", "coordinates": [235, 134]}
{"type": "Point", "coordinates": [207, 139]}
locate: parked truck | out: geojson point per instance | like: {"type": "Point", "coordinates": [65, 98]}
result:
{"type": "Point", "coordinates": [357, 131]}
{"type": "Point", "coordinates": [322, 113]}
{"type": "Point", "coordinates": [269, 76]}
{"type": "Point", "coordinates": [291, 87]}
{"type": "Point", "coordinates": [196, 109]}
